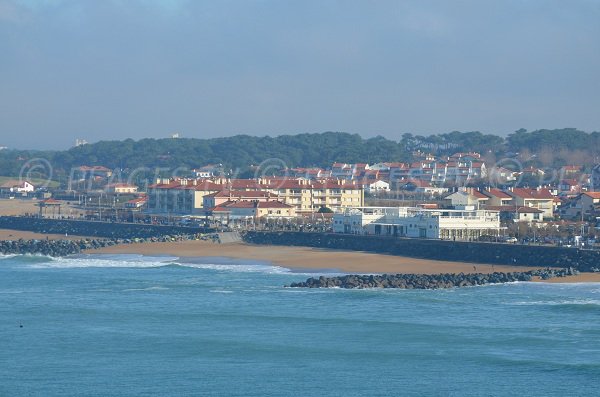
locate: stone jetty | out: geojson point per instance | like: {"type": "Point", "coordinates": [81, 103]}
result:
{"type": "Point", "coordinates": [63, 247]}
{"type": "Point", "coordinates": [428, 281]}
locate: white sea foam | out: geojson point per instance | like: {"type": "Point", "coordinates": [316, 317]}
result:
{"type": "Point", "coordinates": [83, 262]}
{"type": "Point", "coordinates": [140, 261]}
{"type": "Point", "coordinates": [594, 302]}
{"type": "Point", "coordinates": [238, 268]}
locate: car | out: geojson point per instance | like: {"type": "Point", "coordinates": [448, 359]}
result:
{"type": "Point", "coordinates": [511, 240]}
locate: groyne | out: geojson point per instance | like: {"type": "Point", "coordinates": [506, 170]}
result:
{"type": "Point", "coordinates": [428, 281]}
{"type": "Point", "coordinates": [96, 229]}
{"type": "Point", "coordinates": [473, 252]}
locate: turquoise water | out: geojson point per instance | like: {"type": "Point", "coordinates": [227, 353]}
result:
{"type": "Point", "coordinates": [138, 326]}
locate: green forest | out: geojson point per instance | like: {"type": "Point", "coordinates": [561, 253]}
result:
{"type": "Point", "coordinates": [241, 152]}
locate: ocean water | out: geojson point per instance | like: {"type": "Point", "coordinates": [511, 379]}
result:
{"type": "Point", "coordinates": [144, 326]}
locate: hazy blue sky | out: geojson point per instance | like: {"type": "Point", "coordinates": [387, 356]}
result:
{"type": "Point", "coordinates": [114, 69]}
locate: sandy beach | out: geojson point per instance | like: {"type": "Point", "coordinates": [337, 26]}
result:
{"type": "Point", "coordinates": [298, 258]}
{"type": "Point", "coordinates": [312, 258]}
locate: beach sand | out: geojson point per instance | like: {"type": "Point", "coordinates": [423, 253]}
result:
{"type": "Point", "coordinates": [299, 258]}
{"type": "Point", "coordinates": [313, 258]}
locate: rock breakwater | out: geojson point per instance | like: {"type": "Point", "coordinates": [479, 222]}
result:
{"type": "Point", "coordinates": [63, 247]}
{"type": "Point", "coordinates": [428, 281]}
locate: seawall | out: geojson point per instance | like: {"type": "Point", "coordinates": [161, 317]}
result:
{"type": "Point", "coordinates": [95, 229]}
{"type": "Point", "coordinates": [475, 252]}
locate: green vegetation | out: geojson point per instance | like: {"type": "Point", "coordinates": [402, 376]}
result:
{"type": "Point", "coordinates": [240, 153]}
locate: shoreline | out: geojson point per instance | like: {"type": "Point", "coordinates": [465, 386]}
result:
{"type": "Point", "coordinates": [299, 259]}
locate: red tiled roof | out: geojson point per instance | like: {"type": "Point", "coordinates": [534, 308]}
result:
{"type": "Point", "coordinates": [542, 194]}
{"type": "Point", "coordinates": [497, 193]}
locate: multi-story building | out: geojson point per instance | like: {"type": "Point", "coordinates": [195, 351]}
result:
{"type": "Point", "coordinates": [418, 222]}
{"type": "Point", "coordinates": [186, 196]}
{"type": "Point", "coordinates": [541, 199]}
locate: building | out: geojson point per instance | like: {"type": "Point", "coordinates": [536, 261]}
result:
{"type": "Point", "coordinates": [541, 199]}
{"type": "Point", "coordinates": [185, 196]}
{"type": "Point", "coordinates": [518, 214]}
{"type": "Point", "coordinates": [497, 197]}
{"type": "Point", "coordinates": [121, 188]}
{"type": "Point", "coordinates": [584, 205]}
{"type": "Point", "coordinates": [424, 187]}
{"type": "Point", "coordinates": [182, 196]}
{"type": "Point", "coordinates": [419, 222]}
{"type": "Point", "coordinates": [253, 209]}
{"type": "Point", "coordinates": [85, 171]}
{"type": "Point", "coordinates": [374, 187]}
{"type": "Point", "coordinates": [19, 187]}
{"type": "Point", "coordinates": [467, 197]}
{"type": "Point", "coordinates": [224, 196]}
{"type": "Point", "coordinates": [136, 203]}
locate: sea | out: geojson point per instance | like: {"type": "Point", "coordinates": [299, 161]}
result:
{"type": "Point", "coordinates": [130, 325]}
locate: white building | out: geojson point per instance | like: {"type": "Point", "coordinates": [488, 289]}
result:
{"type": "Point", "coordinates": [376, 186]}
{"type": "Point", "coordinates": [418, 222]}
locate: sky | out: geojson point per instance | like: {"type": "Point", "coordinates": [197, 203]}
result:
{"type": "Point", "coordinates": [115, 69]}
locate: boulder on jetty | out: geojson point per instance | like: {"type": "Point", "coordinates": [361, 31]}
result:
{"type": "Point", "coordinates": [428, 281]}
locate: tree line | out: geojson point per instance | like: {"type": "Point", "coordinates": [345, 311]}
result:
{"type": "Point", "coordinates": [241, 152]}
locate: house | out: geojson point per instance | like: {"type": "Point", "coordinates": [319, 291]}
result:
{"type": "Point", "coordinates": [419, 186]}
{"type": "Point", "coordinates": [97, 170]}
{"type": "Point", "coordinates": [208, 171]}
{"type": "Point", "coordinates": [540, 198]}
{"type": "Point", "coordinates": [570, 171]}
{"type": "Point", "coordinates": [308, 173]}
{"type": "Point", "coordinates": [373, 187]}
{"type": "Point", "coordinates": [136, 203]}
{"type": "Point", "coordinates": [585, 204]}
{"type": "Point", "coordinates": [569, 187]}
{"type": "Point", "coordinates": [497, 197]}
{"type": "Point", "coordinates": [16, 186]}
{"type": "Point", "coordinates": [121, 188]}
{"type": "Point", "coordinates": [518, 214]}
{"type": "Point", "coordinates": [499, 175]}
{"type": "Point", "coordinates": [467, 198]}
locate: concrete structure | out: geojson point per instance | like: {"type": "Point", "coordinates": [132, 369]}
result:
{"type": "Point", "coordinates": [418, 222]}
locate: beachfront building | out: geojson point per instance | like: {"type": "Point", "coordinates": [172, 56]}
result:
{"type": "Point", "coordinates": [419, 222]}
{"type": "Point", "coordinates": [181, 196]}
{"type": "Point", "coordinates": [186, 196]}
{"type": "Point", "coordinates": [252, 210]}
